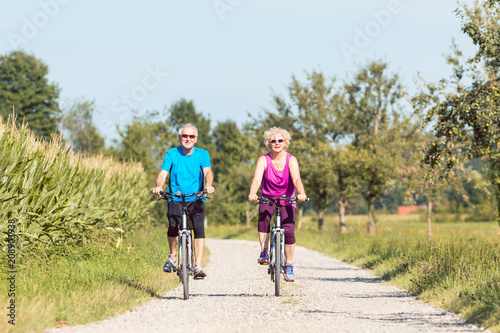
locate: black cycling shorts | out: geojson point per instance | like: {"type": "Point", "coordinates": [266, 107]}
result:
{"type": "Point", "coordinates": [196, 212]}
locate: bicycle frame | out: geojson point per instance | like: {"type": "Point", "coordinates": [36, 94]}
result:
{"type": "Point", "coordinates": [277, 254]}
{"type": "Point", "coordinates": [277, 250]}
{"type": "Point", "coordinates": [185, 262]}
{"type": "Point", "coordinates": [186, 257]}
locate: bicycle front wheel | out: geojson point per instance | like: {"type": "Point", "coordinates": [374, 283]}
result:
{"type": "Point", "coordinates": [277, 263]}
{"type": "Point", "coordinates": [184, 268]}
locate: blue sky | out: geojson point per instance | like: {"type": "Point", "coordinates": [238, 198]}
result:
{"type": "Point", "coordinates": [228, 56]}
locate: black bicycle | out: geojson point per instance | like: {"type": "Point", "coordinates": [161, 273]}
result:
{"type": "Point", "coordinates": [185, 262]}
{"type": "Point", "coordinates": [277, 251]}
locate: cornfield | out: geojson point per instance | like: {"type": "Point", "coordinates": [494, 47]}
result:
{"type": "Point", "coordinates": [58, 197]}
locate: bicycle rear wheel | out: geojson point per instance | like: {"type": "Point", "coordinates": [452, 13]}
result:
{"type": "Point", "coordinates": [277, 263]}
{"type": "Point", "coordinates": [184, 268]}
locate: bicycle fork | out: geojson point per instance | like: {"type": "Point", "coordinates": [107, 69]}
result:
{"type": "Point", "coordinates": [280, 266]}
{"type": "Point", "coordinates": [190, 258]}
{"type": "Point", "coordinates": [280, 247]}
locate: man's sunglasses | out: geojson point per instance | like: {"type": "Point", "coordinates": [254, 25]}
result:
{"type": "Point", "coordinates": [191, 136]}
{"type": "Point", "coordinates": [279, 140]}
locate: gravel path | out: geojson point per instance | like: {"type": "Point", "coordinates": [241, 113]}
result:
{"type": "Point", "coordinates": [238, 296]}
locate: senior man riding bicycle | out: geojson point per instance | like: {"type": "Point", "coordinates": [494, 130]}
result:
{"type": "Point", "coordinates": [187, 166]}
{"type": "Point", "coordinates": [278, 172]}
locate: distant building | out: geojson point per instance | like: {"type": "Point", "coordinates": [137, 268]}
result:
{"type": "Point", "coordinates": [408, 209]}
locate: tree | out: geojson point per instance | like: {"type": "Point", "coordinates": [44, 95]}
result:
{"type": "Point", "coordinates": [321, 113]}
{"type": "Point", "coordinates": [463, 110]}
{"type": "Point", "coordinates": [232, 163]}
{"type": "Point", "coordinates": [147, 140]}
{"type": "Point", "coordinates": [25, 90]}
{"type": "Point", "coordinates": [184, 111]}
{"type": "Point", "coordinates": [347, 165]}
{"type": "Point", "coordinates": [78, 120]}
{"type": "Point", "coordinates": [378, 127]}
{"type": "Point", "coordinates": [231, 147]}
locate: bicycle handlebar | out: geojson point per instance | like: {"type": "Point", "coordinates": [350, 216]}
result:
{"type": "Point", "coordinates": [276, 200]}
{"type": "Point", "coordinates": [168, 195]}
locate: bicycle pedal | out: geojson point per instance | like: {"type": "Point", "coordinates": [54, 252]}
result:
{"type": "Point", "coordinates": [199, 278]}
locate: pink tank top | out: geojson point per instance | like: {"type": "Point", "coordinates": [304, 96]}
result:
{"type": "Point", "coordinates": [277, 183]}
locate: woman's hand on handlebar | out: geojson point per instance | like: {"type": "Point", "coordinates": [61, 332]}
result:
{"type": "Point", "coordinates": [253, 197]}
{"type": "Point", "coordinates": [301, 197]}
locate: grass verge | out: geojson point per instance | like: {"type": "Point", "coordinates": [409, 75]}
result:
{"type": "Point", "coordinates": [70, 286]}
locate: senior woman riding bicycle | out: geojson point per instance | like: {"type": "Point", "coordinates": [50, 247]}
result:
{"type": "Point", "coordinates": [278, 173]}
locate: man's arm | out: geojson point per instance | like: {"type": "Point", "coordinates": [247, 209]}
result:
{"type": "Point", "coordinates": [209, 179]}
{"type": "Point", "coordinates": [160, 181]}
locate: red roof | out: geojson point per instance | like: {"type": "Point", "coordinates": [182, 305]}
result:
{"type": "Point", "coordinates": [409, 209]}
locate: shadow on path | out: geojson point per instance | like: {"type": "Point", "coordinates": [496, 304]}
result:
{"type": "Point", "coordinates": [356, 279]}
{"type": "Point", "coordinates": [406, 318]}
{"type": "Point", "coordinates": [329, 269]}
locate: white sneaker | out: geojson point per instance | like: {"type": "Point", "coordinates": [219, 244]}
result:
{"type": "Point", "coordinates": [199, 273]}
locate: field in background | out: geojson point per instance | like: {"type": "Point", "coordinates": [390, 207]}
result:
{"type": "Point", "coordinates": [411, 224]}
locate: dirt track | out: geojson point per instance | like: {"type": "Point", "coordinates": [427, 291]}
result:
{"type": "Point", "coordinates": [238, 296]}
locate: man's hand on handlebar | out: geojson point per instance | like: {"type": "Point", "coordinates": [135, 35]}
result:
{"type": "Point", "coordinates": [210, 189]}
{"type": "Point", "coordinates": [157, 190]}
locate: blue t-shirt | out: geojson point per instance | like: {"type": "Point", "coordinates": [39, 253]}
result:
{"type": "Point", "coordinates": [187, 170]}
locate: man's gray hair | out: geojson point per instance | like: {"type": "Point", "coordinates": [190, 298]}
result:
{"type": "Point", "coordinates": [188, 125]}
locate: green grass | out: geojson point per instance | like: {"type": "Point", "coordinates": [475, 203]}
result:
{"type": "Point", "coordinates": [457, 269]}
{"type": "Point", "coordinates": [69, 286]}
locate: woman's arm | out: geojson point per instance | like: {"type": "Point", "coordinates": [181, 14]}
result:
{"type": "Point", "coordinates": [257, 178]}
{"type": "Point", "coordinates": [295, 173]}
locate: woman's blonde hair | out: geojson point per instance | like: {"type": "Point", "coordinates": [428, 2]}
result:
{"type": "Point", "coordinates": [272, 132]}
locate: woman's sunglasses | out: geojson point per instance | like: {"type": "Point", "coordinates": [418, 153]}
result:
{"type": "Point", "coordinates": [191, 136]}
{"type": "Point", "coordinates": [279, 140]}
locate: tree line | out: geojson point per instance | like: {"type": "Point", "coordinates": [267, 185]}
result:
{"type": "Point", "coordinates": [362, 137]}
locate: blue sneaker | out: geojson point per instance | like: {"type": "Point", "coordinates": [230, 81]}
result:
{"type": "Point", "coordinates": [169, 266]}
{"type": "Point", "coordinates": [289, 276]}
{"type": "Point", "coordinates": [264, 258]}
